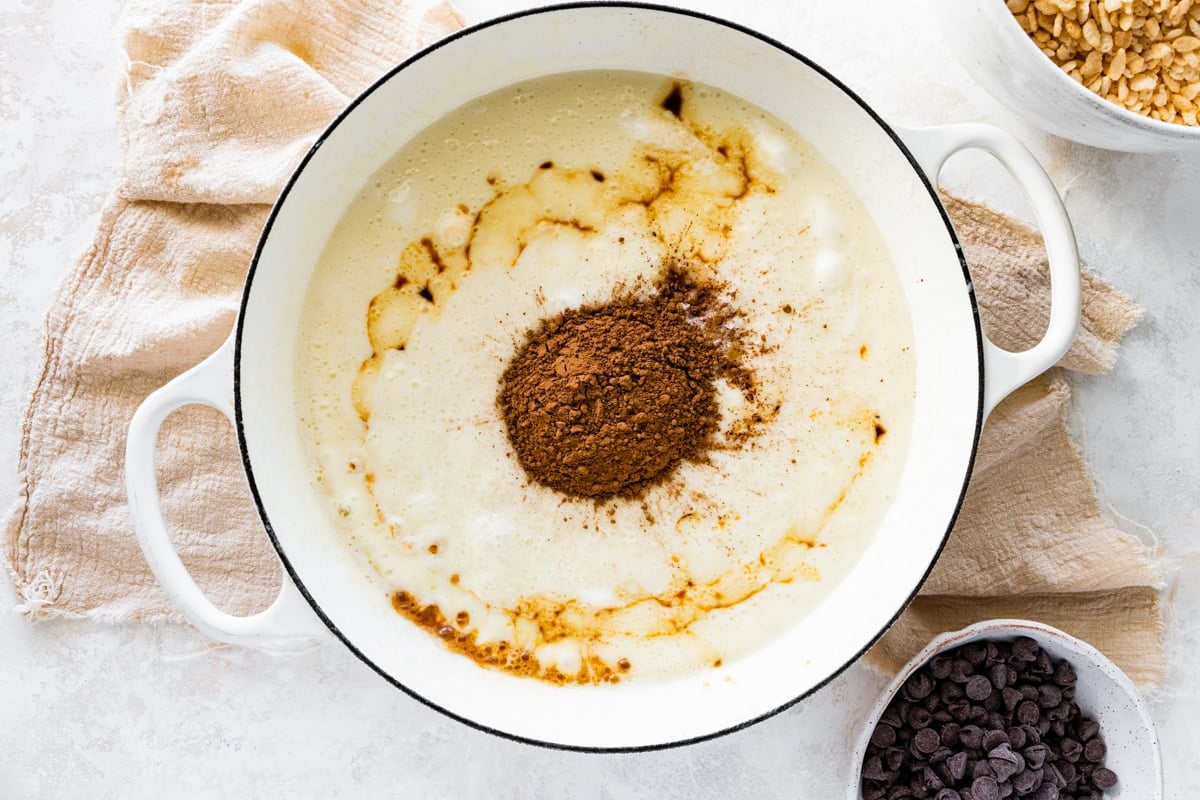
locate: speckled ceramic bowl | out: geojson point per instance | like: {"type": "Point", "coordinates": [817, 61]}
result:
{"type": "Point", "coordinates": [998, 53]}
{"type": "Point", "coordinates": [1103, 692]}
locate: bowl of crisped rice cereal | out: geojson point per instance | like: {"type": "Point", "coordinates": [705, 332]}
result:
{"type": "Point", "coordinates": [1117, 74]}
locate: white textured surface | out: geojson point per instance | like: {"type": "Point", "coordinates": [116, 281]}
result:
{"type": "Point", "coordinates": [139, 711]}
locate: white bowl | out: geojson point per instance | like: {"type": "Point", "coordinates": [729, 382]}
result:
{"type": "Point", "coordinates": [995, 49]}
{"type": "Point", "coordinates": [1102, 691]}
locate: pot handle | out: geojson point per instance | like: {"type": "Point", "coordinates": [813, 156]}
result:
{"type": "Point", "coordinates": [287, 623]}
{"type": "Point", "coordinates": [1003, 370]}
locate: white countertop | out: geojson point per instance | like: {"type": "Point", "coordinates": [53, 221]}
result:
{"type": "Point", "coordinates": [88, 710]}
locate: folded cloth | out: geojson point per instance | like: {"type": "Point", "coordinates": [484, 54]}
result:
{"type": "Point", "coordinates": [222, 100]}
{"type": "Point", "coordinates": [1031, 541]}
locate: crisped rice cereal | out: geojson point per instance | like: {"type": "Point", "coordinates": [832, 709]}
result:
{"type": "Point", "coordinates": [1143, 55]}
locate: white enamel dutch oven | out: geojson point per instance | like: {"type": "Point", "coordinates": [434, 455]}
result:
{"type": "Point", "coordinates": [960, 377]}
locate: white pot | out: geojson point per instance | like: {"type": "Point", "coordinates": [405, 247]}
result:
{"type": "Point", "coordinates": [960, 376]}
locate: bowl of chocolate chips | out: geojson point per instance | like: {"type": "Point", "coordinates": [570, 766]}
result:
{"type": "Point", "coordinates": [1008, 709]}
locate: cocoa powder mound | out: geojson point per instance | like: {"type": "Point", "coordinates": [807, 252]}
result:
{"type": "Point", "coordinates": [607, 400]}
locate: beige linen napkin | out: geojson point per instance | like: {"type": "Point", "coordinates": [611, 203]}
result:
{"type": "Point", "coordinates": [1031, 541]}
{"type": "Point", "coordinates": [222, 100]}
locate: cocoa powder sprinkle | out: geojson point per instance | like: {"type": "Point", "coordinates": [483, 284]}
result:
{"type": "Point", "coordinates": [607, 400]}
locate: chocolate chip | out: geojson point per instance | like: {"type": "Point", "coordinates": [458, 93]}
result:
{"type": "Point", "coordinates": [950, 691]}
{"type": "Point", "coordinates": [1004, 771]}
{"type": "Point", "coordinates": [947, 794]}
{"type": "Point", "coordinates": [1010, 697]}
{"type": "Point", "coordinates": [1063, 711]}
{"type": "Point", "coordinates": [893, 757]}
{"type": "Point", "coordinates": [949, 733]}
{"type": "Point", "coordinates": [926, 741]}
{"type": "Point", "coordinates": [960, 710]}
{"type": "Point", "coordinates": [873, 769]}
{"type": "Point", "coordinates": [978, 687]}
{"type": "Point", "coordinates": [1004, 752]}
{"type": "Point", "coordinates": [884, 736]}
{"type": "Point", "coordinates": [1064, 674]}
{"type": "Point", "coordinates": [1027, 712]}
{"type": "Point", "coordinates": [971, 736]}
{"type": "Point", "coordinates": [982, 769]}
{"type": "Point", "coordinates": [874, 791]}
{"type": "Point", "coordinates": [1094, 751]}
{"type": "Point", "coordinates": [957, 764]}
{"type": "Point", "coordinates": [1049, 696]}
{"type": "Point", "coordinates": [1035, 755]}
{"type": "Point", "coordinates": [999, 675]}
{"type": "Point", "coordinates": [939, 666]}
{"type": "Point", "coordinates": [974, 653]}
{"type": "Point", "coordinates": [1088, 728]}
{"type": "Point", "coordinates": [940, 755]}
{"type": "Point", "coordinates": [985, 788]}
{"type": "Point", "coordinates": [1071, 750]}
{"type": "Point", "coordinates": [1024, 649]}
{"type": "Point", "coordinates": [1016, 737]}
{"type": "Point", "coordinates": [961, 670]}
{"type": "Point", "coordinates": [919, 686]}
{"type": "Point", "coordinates": [1027, 781]}
{"type": "Point", "coordinates": [1047, 791]}
{"type": "Point", "coordinates": [1104, 778]}
{"type": "Point", "coordinates": [919, 718]}
{"type": "Point", "coordinates": [993, 739]}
